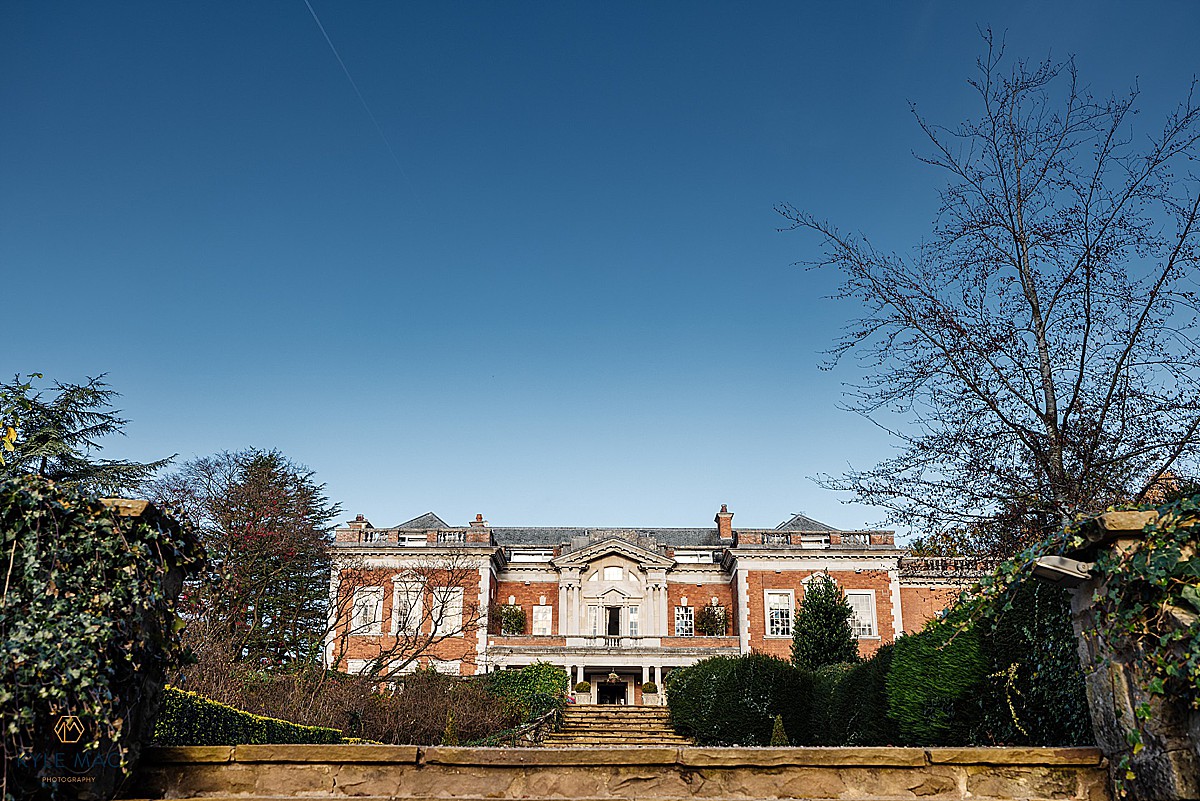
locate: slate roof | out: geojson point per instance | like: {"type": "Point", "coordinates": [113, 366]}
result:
{"type": "Point", "coordinates": [550, 536]}
{"type": "Point", "coordinates": [803, 523]}
{"type": "Point", "coordinates": [426, 521]}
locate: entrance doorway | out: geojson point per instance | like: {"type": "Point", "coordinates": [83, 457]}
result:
{"type": "Point", "coordinates": [610, 692]}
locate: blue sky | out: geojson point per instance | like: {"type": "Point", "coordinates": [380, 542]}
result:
{"type": "Point", "coordinates": [564, 301]}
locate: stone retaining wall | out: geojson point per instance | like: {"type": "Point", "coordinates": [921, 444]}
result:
{"type": "Point", "coordinates": [741, 774]}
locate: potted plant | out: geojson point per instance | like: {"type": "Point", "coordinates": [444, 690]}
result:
{"type": "Point", "coordinates": [650, 694]}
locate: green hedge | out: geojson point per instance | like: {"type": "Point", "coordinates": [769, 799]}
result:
{"type": "Point", "coordinates": [859, 705]}
{"type": "Point", "coordinates": [531, 691]}
{"type": "Point", "coordinates": [1034, 692]}
{"type": "Point", "coordinates": [191, 719]}
{"type": "Point", "coordinates": [823, 725]}
{"type": "Point", "coordinates": [734, 700]}
{"type": "Point", "coordinates": [931, 673]}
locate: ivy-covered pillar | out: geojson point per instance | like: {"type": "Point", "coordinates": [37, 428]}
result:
{"type": "Point", "coordinates": [1136, 629]}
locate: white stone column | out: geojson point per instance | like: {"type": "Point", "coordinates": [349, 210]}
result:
{"type": "Point", "coordinates": [563, 594]}
{"type": "Point", "coordinates": [645, 673]}
{"type": "Point", "coordinates": [658, 676]}
{"type": "Point", "coordinates": [664, 612]}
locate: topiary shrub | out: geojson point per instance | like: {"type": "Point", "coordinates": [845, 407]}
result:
{"type": "Point", "coordinates": [822, 634]}
{"type": "Point", "coordinates": [930, 675]}
{"type": "Point", "coordinates": [583, 687]}
{"type": "Point", "coordinates": [650, 687]}
{"type": "Point", "coordinates": [88, 627]}
{"type": "Point", "coordinates": [531, 691]}
{"type": "Point", "coordinates": [734, 700]}
{"type": "Point", "coordinates": [191, 719]}
{"type": "Point", "coordinates": [778, 734]}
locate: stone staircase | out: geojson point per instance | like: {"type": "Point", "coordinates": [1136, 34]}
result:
{"type": "Point", "coordinates": [586, 725]}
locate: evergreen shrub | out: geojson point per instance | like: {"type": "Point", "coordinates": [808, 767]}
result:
{"type": "Point", "coordinates": [191, 719]}
{"type": "Point", "coordinates": [822, 634]}
{"type": "Point", "coordinates": [859, 704]}
{"type": "Point", "coordinates": [650, 687]}
{"type": "Point", "coordinates": [726, 700]}
{"type": "Point", "coordinates": [1033, 693]}
{"type": "Point", "coordinates": [531, 691]}
{"type": "Point", "coordinates": [823, 725]}
{"type": "Point", "coordinates": [931, 674]}
{"type": "Point", "coordinates": [779, 736]}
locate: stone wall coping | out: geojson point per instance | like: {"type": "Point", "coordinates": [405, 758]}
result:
{"type": "Point", "coordinates": [405, 754]}
{"type": "Point", "coordinates": [625, 755]}
{"type": "Point", "coordinates": [776, 757]}
{"type": "Point", "coordinates": [997, 755]}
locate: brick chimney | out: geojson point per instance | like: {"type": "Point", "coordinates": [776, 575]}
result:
{"type": "Point", "coordinates": [359, 523]}
{"type": "Point", "coordinates": [724, 521]}
{"type": "Point", "coordinates": [479, 532]}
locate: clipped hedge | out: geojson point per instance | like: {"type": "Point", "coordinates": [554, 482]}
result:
{"type": "Point", "coordinates": [734, 700]}
{"type": "Point", "coordinates": [188, 718]}
{"type": "Point", "coordinates": [859, 703]}
{"type": "Point", "coordinates": [823, 724]}
{"type": "Point", "coordinates": [931, 673]}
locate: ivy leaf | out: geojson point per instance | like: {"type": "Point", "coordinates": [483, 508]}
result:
{"type": "Point", "coordinates": [1191, 594]}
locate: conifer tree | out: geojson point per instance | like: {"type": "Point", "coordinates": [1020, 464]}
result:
{"type": "Point", "coordinates": [822, 634]}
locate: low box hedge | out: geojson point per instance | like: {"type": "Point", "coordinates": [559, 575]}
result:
{"type": "Point", "coordinates": [189, 718]}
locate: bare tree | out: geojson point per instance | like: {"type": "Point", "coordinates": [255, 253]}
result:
{"type": "Point", "coordinates": [1037, 352]}
{"type": "Point", "coordinates": [434, 611]}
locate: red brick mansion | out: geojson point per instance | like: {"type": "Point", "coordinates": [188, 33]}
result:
{"type": "Point", "coordinates": [615, 607]}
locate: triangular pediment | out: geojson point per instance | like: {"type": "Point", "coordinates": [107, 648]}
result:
{"type": "Point", "coordinates": [598, 550]}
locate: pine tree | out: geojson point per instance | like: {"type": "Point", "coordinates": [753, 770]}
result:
{"type": "Point", "coordinates": [822, 634]}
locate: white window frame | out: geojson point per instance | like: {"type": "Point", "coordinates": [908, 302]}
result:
{"type": "Point", "coordinates": [620, 572]}
{"type": "Point", "coordinates": [358, 626]}
{"type": "Point", "coordinates": [542, 620]}
{"type": "Point", "coordinates": [871, 630]}
{"type": "Point", "coordinates": [791, 614]}
{"type": "Point", "coordinates": [413, 592]}
{"type": "Point", "coordinates": [446, 610]}
{"type": "Point", "coordinates": [685, 621]}
{"type": "Point", "coordinates": [635, 626]}
{"type": "Point", "coordinates": [356, 667]}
